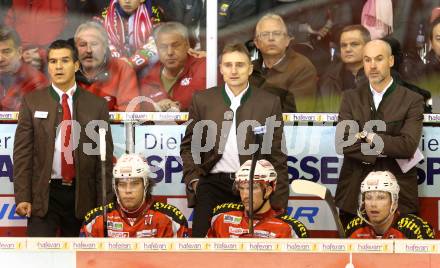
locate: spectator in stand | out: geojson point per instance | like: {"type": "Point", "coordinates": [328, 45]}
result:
{"type": "Point", "coordinates": [235, 20]}
{"type": "Point", "coordinates": [378, 216]}
{"type": "Point", "coordinates": [346, 74]}
{"type": "Point", "coordinates": [431, 73]}
{"type": "Point", "coordinates": [111, 78]}
{"type": "Point", "coordinates": [81, 11]}
{"type": "Point", "coordinates": [281, 70]}
{"type": "Point", "coordinates": [4, 7]}
{"type": "Point", "coordinates": [187, 12]}
{"type": "Point", "coordinates": [406, 69]}
{"type": "Point", "coordinates": [38, 23]}
{"type": "Point", "coordinates": [129, 24]}
{"type": "Point", "coordinates": [172, 81]}
{"type": "Point", "coordinates": [433, 57]}
{"type": "Point", "coordinates": [16, 77]}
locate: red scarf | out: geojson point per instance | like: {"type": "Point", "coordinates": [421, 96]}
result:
{"type": "Point", "coordinates": [114, 25]}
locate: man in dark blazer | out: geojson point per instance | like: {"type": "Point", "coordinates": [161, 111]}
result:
{"type": "Point", "coordinates": [401, 112]}
{"type": "Point", "coordinates": [55, 184]}
{"type": "Point", "coordinates": [208, 173]}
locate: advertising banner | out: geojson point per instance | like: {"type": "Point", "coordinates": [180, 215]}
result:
{"type": "Point", "coordinates": [311, 155]}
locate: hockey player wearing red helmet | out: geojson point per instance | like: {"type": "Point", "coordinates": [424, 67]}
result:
{"type": "Point", "coordinates": [135, 214]}
{"type": "Point", "coordinates": [378, 216]}
{"type": "Point", "coordinates": [232, 219]}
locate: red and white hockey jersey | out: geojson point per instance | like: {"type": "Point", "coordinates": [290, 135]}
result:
{"type": "Point", "coordinates": [230, 220]}
{"type": "Point", "coordinates": [156, 220]}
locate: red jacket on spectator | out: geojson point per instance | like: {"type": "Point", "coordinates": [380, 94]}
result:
{"type": "Point", "coordinates": [192, 79]}
{"type": "Point", "coordinates": [14, 87]}
{"type": "Point", "coordinates": [130, 36]}
{"type": "Point", "coordinates": [117, 83]}
{"type": "Point", "coordinates": [37, 22]}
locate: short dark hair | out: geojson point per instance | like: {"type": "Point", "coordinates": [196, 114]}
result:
{"type": "Point", "coordinates": [433, 24]}
{"type": "Point", "coordinates": [59, 44]}
{"type": "Point", "coordinates": [235, 47]}
{"type": "Point", "coordinates": [7, 33]}
{"type": "Point", "coordinates": [357, 27]}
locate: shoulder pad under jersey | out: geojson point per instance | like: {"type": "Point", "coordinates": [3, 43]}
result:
{"type": "Point", "coordinates": [353, 225]}
{"type": "Point", "coordinates": [414, 227]}
{"type": "Point", "coordinates": [170, 211]}
{"type": "Point", "coordinates": [299, 228]}
{"type": "Point", "coordinates": [227, 207]}
{"type": "Point", "coordinates": [98, 211]}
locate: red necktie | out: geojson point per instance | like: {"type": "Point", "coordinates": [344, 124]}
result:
{"type": "Point", "coordinates": [67, 169]}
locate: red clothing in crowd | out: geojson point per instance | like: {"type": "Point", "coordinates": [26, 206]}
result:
{"type": "Point", "coordinates": [230, 220]}
{"type": "Point", "coordinates": [14, 87]}
{"type": "Point", "coordinates": [37, 22]}
{"type": "Point", "coordinates": [191, 80]}
{"type": "Point", "coordinates": [155, 220]}
{"type": "Point", "coordinates": [117, 84]}
{"type": "Point", "coordinates": [409, 227]}
{"type": "Point", "coordinates": [130, 36]}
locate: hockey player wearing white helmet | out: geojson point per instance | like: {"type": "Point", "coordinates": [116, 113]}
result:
{"type": "Point", "coordinates": [135, 214]}
{"type": "Point", "coordinates": [378, 216]}
{"type": "Point", "coordinates": [232, 219]}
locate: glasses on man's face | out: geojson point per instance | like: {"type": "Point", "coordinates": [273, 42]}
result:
{"type": "Point", "coordinates": [271, 35]}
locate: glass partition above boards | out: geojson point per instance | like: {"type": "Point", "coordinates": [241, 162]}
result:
{"type": "Point", "coordinates": [163, 52]}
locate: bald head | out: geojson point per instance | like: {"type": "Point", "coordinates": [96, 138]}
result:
{"type": "Point", "coordinates": [376, 45]}
{"type": "Point", "coordinates": [378, 60]}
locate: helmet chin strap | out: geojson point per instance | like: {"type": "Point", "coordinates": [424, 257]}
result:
{"type": "Point", "coordinates": [361, 214]}
{"type": "Point", "coordinates": [262, 204]}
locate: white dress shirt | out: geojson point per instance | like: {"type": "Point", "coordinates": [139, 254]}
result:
{"type": "Point", "coordinates": [230, 162]}
{"type": "Point", "coordinates": [377, 97]}
{"type": "Point", "coordinates": [56, 164]}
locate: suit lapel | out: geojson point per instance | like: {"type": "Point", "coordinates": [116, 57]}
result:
{"type": "Point", "coordinates": [54, 114]}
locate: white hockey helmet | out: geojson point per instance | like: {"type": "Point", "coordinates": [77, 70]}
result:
{"type": "Point", "coordinates": [130, 166]}
{"type": "Point", "coordinates": [264, 172]}
{"type": "Point", "coordinates": [383, 181]}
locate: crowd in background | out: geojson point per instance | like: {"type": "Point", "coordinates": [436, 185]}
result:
{"type": "Point", "coordinates": [122, 57]}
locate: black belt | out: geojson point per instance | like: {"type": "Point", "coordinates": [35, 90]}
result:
{"type": "Point", "coordinates": [59, 181]}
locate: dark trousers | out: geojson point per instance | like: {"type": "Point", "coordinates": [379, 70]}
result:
{"type": "Point", "coordinates": [212, 190]}
{"type": "Point", "coordinates": [60, 218]}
